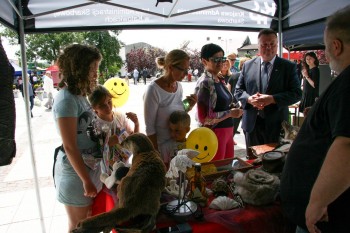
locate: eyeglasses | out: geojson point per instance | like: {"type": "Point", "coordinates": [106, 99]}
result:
{"type": "Point", "coordinates": [185, 71]}
{"type": "Point", "coordinates": [217, 59]}
{"type": "Point", "coordinates": [232, 59]}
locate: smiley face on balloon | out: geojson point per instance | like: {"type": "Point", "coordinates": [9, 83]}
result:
{"type": "Point", "coordinates": [205, 142]}
{"type": "Point", "coordinates": [119, 90]}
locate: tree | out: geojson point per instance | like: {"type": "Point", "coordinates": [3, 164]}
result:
{"type": "Point", "coordinates": [143, 57]}
{"type": "Point", "coordinates": [246, 42]}
{"type": "Point", "coordinates": [48, 46]}
{"type": "Point", "coordinates": [195, 57]}
{"type": "Point", "coordinates": [109, 46]}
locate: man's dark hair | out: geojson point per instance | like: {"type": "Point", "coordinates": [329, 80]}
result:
{"type": "Point", "coordinates": [267, 31]}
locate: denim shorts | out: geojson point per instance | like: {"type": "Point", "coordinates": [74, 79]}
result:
{"type": "Point", "coordinates": [69, 187]}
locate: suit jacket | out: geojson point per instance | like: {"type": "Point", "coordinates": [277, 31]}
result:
{"type": "Point", "coordinates": [283, 85]}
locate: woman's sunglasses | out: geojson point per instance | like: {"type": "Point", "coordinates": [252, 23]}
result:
{"type": "Point", "coordinates": [217, 59]}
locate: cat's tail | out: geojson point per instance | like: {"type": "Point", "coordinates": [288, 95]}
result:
{"type": "Point", "coordinates": [104, 221]}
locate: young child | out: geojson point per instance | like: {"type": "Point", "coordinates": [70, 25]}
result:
{"type": "Point", "coordinates": [179, 126]}
{"type": "Point", "coordinates": [112, 121]}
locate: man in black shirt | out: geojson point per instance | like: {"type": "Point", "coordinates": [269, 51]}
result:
{"type": "Point", "coordinates": [315, 181]}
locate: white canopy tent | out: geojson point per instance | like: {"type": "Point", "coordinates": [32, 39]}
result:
{"type": "Point", "coordinates": [300, 23]}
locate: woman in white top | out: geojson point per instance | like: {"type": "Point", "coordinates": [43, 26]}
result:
{"type": "Point", "coordinates": [164, 95]}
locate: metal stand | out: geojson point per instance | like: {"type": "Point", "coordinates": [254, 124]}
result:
{"type": "Point", "coordinates": [181, 206]}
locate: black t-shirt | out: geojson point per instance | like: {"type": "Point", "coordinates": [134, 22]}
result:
{"type": "Point", "coordinates": [328, 119]}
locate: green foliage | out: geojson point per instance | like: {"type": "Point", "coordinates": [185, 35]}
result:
{"type": "Point", "coordinates": [109, 46]}
{"type": "Point", "coordinates": [48, 46]}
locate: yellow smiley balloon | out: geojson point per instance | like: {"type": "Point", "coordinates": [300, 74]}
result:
{"type": "Point", "coordinates": [119, 90]}
{"type": "Point", "coordinates": [205, 142]}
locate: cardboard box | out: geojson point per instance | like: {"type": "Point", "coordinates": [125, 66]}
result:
{"type": "Point", "coordinates": [297, 121]}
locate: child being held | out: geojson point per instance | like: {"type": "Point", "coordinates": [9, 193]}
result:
{"type": "Point", "coordinates": [179, 126]}
{"type": "Point", "coordinates": [113, 122]}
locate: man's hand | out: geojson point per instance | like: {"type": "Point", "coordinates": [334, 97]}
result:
{"type": "Point", "coordinates": [314, 214]}
{"type": "Point", "coordinates": [259, 101]}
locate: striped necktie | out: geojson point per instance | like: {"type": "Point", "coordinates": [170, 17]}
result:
{"type": "Point", "coordinates": [264, 77]}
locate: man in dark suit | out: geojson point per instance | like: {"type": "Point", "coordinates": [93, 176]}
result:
{"type": "Point", "coordinates": [266, 87]}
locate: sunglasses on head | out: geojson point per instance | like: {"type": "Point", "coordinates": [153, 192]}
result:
{"type": "Point", "coordinates": [217, 59]}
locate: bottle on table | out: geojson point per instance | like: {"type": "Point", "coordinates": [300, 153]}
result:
{"type": "Point", "coordinates": [198, 191]}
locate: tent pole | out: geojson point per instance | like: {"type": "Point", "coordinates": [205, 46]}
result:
{"type": "Point", "coordinates": [280, 28]}
{"type": "Point", "coordinates": [28, 117]}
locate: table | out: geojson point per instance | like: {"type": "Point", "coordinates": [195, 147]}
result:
{"type": "Point", "coordinates": [250, 219]}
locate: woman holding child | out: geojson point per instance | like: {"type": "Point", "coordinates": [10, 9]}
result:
{"type": "Point", "coordinates": [165, 95]}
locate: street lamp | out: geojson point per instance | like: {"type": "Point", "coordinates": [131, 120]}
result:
{"type": "Point", "coordinates": [220, 41]}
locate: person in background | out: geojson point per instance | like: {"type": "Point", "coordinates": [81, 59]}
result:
{"type": "Point", "coordinates": [34, 78]}
{"type": "Point", "coordinates": [231, 85]}
{"type": "Point", "coordinates": [165, 95]}
{"type": "Point", "coordinates": [214, 106]}
{"type": "Point", "coordinates": [225, 72]}
{"type": "Point", "coordinates": [135, 74]}
{"type": "Point", "coordinates": [299, 69]}
{"type": "Point", "coordinates": [233, 57]}
{"type": "Point", "coordinates": [311, 81]}
{"type": "Point", "coordinates": [31, 94]}
{"type": "Point", "coordinates": [179, 126]}
{"type": "Point", "coordinates": [48, 88]}
{"type": "Point", "coordinates": [266, 87]}
{"type": "Point", "coordinates": [77, 169]}
{"type": "Point", "coordinates": [144, 75]}
{"type": "Point", "coordinates": [315, 186]}
{"type": "Point", "coordinates": [189, 74]}
{"type": "Point", "coordinates": [195, 74]}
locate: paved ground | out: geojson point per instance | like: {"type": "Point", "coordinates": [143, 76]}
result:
{"type": "Point", "coordinates": [18, 201]}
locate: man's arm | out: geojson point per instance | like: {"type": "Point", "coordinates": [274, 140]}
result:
{"type": "Point", "coordinates": [292, 93]}
{"type": "Point", "coordinates": [331, 182]}
{"type": "Point", "coordinates": [241, 91]}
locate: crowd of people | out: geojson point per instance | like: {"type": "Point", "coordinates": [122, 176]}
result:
{"type": "Point", "coordinates": [314, 189]}
{"type": "Point", "coordinates": [43, 83]}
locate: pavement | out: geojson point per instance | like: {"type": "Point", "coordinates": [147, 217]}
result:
{"type": "Point", "coordinates": [19, 208]}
